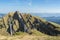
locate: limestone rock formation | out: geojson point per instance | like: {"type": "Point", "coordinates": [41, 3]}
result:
{"type": "Point", "coordinates": [15, 22]}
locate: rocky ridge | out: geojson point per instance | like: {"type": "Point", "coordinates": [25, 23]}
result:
{"type": "Point", "coordinates": [19, 22]}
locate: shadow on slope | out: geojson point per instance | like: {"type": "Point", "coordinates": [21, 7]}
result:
{"type": "Point", "coordinates": [46, 27]}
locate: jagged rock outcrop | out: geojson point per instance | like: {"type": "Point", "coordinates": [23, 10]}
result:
{"type": "Point", "coordinates": [16, 21]}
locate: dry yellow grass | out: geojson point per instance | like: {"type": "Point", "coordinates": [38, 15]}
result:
{"type": "Point", "coordinates": [36, 35]}
{"type": "Point", "coordinates": [29, 37]}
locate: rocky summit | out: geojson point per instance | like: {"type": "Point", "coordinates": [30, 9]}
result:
{"type": "Point", "coordinates": [21, 22]}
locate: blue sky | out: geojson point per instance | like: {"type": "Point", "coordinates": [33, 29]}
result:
{"type": "Point", "coordinates": [30, 6]}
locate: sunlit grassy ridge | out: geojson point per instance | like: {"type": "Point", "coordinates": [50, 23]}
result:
{"type": "Point", "coordinates": [57, 26]}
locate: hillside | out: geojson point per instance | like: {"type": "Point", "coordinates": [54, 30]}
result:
{"type": "Point", "coordinates": [21, 24]}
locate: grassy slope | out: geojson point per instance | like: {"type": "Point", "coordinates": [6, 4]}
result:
{"type": "Point", "coordinates": [56, 25]}
{"type": "Point", "coordinates": [35, 36]}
